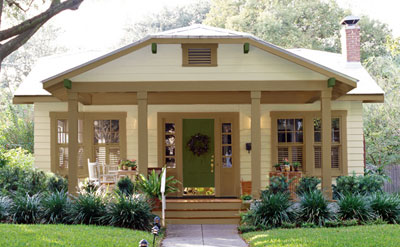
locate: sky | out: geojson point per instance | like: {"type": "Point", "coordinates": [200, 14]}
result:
{"type": "Point", "coordinates": [98, 24]}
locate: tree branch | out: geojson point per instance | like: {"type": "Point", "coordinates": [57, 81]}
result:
{"type": "Point", "coordinates": [55, 8]}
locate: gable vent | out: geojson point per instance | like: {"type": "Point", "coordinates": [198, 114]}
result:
{"type": "Point", "coordinates": [199, 56]}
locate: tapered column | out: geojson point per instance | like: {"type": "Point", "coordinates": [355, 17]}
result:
{"type": "Point", "coordinates": [142, 133]}
{"type": "Point", "coordinates": [73, 143]}
{"type": "Point", "coordinates": [255, 143]}
{"type": "Point", "coordinates": [326, 96]}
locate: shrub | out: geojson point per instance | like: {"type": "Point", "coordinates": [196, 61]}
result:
{"type": "Point", "coordinates": [368, 184]}
{"type": "Point", "coordinates": [55, 207]}
{"type": "Point", "coordinates": [87, 209]}
{"type": "Point", "coordinates": [57, 183]}
{"type": "Point", "coordinates": [307, 184]}
{"type": "Point", "coordinates": [5, 206]}
{"type": "Point", "coordinates": [332, 223]}
{"type": "Point", "coordinates": [89, 186]}
{"type": "Point", "coordinates": [288, 225]}
{"type": "Point", "coordinates": [19, 157]}
{"type": "Point", "coordinates": [352, 222]}
{"type": "Point", "coordinates": [246, 228]}
{"type": "Point", "coordinates": [129, 212]}
{"type": "Point", "coordinates": [272, 210]}
{"type": "Point", "coordinates": [386, 207]}
{"type": "Point", "coordinates": [278, 184]}
{"type": "Point", "coordinates": [308, 225]}
{"type": "Point", "coordinates": [152, 185]}
{"type": "Point", "coordinates": [26, 209]}
{"type": "Point", "coordinates": [314, 208]}
{"type": "Point", "coordinates": [355, 206]}
{"type": "Point", "coordinates": [126, 186]}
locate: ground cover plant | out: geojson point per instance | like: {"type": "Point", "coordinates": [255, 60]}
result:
{"type": "Point", "coordinates": [355, 236]}
{"type": "Point", "coordinates": [71, 235]}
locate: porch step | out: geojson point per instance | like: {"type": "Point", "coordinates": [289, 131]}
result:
{"type": "Point", "coordinates": [202, 211]}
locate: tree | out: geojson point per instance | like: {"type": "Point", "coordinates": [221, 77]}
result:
{"type": "Point", "coordinates": [14, 37]}
{"type": "Point", "coordinates": [166, 19]}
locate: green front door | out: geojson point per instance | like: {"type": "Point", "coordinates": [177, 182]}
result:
{"type": "Point", "coordinates": [198, 170]}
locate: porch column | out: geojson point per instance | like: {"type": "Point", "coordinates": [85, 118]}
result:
{"type": "Point", "coordinates": [142, 133]}
{"type": "Point", "coordinates": [326, 173]}
{"type": "Point", "coordinates": [255, 143]}
{"type": "Point", "coordinates": [72, 143]}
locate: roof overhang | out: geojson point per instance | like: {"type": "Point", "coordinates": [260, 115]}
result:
{"type": "Point", "coordinates": [344, 83]}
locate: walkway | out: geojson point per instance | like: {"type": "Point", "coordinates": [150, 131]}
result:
{"type": "Point", "coordinates": [202, 235]}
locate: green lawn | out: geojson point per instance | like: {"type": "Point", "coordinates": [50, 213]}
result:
{"type": "Point", "coordinates": [357, 236]}
{"type": "Point", "coordinates": [69, 235]}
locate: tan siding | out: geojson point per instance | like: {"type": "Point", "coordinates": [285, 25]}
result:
{"type": "Point", "coordinates": [233, 64]}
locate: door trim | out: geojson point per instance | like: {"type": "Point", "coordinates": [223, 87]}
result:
{"type": "Point", "coordinates": [177, 117]}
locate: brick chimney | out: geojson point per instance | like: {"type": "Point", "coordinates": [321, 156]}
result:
{"type": "Point", "coordinates": [350, 39]}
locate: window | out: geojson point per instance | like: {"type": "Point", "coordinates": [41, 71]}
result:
{"type": "Point", "coordinates": [106, 141]}
{"type": "Point", "coordinates": [290, 139]}
{"type": "Point", "coordinates": [170, 145]}
{"type": "Point", "coordinates": [62, 143]}
{"type": "Point", "coordinates": [226, 145]}
{"type": "Point", "coordinates": [297, 137]}
{"type": "Point", "coordinates": [336, 144]}
{"type": "Point", "coordinates": [198, 55]}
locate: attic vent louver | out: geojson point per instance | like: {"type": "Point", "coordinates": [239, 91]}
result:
{"type": "Point", "coordinates": [199, 55]}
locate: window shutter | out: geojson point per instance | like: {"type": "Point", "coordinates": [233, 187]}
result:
{"type": "Point", "coordinates": [297, 155]}
{"type": "Point", "coordinates": [335, 157]}
{"type": "Point", "coordinates": [317, 156]}
{"type": "Point", "coordinates": [283, 152]}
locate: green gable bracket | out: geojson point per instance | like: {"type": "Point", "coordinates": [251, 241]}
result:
{"type": "Point", "coordinates": [246, 48]}
{"type": "Point", "coordinates": [331, 82]}
{"type": "Point", "coordinates": [67, 83]}
{"type": "Point", "coordinates": [153, 48]}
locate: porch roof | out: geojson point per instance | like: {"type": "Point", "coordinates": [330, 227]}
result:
{"type": "Point", "coordinates": [50, 70]}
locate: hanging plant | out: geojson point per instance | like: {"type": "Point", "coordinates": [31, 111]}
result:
{"type": "Point", "coordinates": [198, 144]}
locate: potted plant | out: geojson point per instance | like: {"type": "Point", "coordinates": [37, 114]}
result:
{"type": "Point", "coordinates": [296, 166]}
{"type": "Point", "coordinates": [277, 167]}
{"type": "Point", "coordinates": [151, 186]}
{"type": "Point", "coordinates": [126, 164]}
{"type": "Point", "coordinates": [286, 165]}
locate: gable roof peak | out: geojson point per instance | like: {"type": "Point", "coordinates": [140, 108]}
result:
{"type": "Point", "coordinates": [200, 31]}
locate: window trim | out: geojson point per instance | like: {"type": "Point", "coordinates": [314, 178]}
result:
{"type": "Point", "coordinates": [186, 47]}
{"type": "Point", "coordinates": [88, 136]}
{"type": "Point", "coordinates": [308, 140]}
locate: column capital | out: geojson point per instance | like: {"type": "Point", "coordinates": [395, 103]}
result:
{"type": "Point", "coordinates": [326, 93]}
{"type": "Point", "coordinates": [142, 95]}
{"type": "Point", "coordinates": [255, 94]}
{"type": "Point", "coordinates": [72, 96]}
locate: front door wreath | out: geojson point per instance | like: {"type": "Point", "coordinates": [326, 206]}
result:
{"type": "Point", "coordinates": [198, 144]}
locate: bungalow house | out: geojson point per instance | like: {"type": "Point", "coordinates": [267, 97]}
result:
{"type": "Point", "coordinates": [215, 106]}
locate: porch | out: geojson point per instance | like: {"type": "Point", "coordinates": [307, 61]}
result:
{"type": "Point", "coordinates": [194, 96]}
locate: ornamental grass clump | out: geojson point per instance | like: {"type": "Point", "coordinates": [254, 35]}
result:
{"type": "Point", "coordinates": [355, 206]}
{"type": "Point", "coordinates": [27, 209]}
{"type": "Point", "coordinates": [132, 212]}
{"type": "Point", "coordinates": [55, 208]}
{"type": "Point", "coordinates": [271, 211]}
{"type": "Point", "coordinates": [87, 209]}
{"type": "Point", "coordinates": [5, 206]}
{"type": "Point", "coordinates": [314, 208]}
{"type": "Point", "coordinates": [126, 186]}
{"type": "Point", "coordinates": [386, 207]}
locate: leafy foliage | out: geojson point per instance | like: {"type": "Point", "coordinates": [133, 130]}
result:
{"type": "Point", "coordinates": [386, 207]}
{"type": "Point", "coordinates": [130, 212]}
{"type": "Point", "coordinates": [55, 208]}
{"type": "Point", "coordinates": [126, 186]}
{"type": "Point", "coordinates": [314, 208]}
{"type": "Point", "coordinates": [87, 209]}
{"type": "Point", "coordinates": [152, 185]}
{"type": "Point", "coordinates": [5, 205]}
{"type": "Point", "coordinates": [272, 210]}
{"type": "Point", "coordinates": [307, 184]}
{"type": "Point", "coordinates": [355, 207]}
{"type": "Point", "coordinates": [27, 209]}
{"type": "Point", "coordinates": [370, 183]}
{"type": "Point", "coordinates": [57, 183]}
{"type": "Point", "coordinates": [278, 184]}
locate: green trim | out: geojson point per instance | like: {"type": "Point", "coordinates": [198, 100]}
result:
{"type": "Point", "coordinates": [331, 82]}
{"type": "Point", "coordinates": [67, 83]}
{"type": "Point", "coordinates": [154, 48]}
{"type": "Point", "coordinates": [246, 48]}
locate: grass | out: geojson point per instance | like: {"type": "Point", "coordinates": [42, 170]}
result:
{"type": "Point", "coordinates": [357, 236]}
{"type": "Point", "coordinates": [70, 235]}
